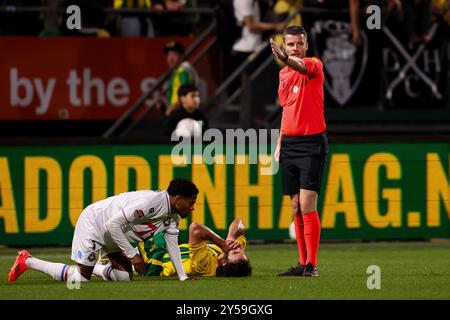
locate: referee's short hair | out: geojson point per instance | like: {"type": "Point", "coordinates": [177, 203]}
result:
{"type": "Point", "coordinates": [182, 187]}
{"type": "Point", "coordinates": [295, 30]}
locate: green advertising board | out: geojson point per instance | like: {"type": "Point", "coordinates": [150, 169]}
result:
{"type": "Point", "coordinates": [369, 191]}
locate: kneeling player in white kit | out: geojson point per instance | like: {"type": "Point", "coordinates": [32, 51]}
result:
{"type": "Point", "coordinates": [112, 226]}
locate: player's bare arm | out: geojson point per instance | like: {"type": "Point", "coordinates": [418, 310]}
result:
{"type": "Point", "coordinates": [138, 264]}
{"type": "Point", "coordinates": [199, 233]}
{"type": "Point", "coordinates": [235, 230]}
{"type": "Point", "coordinates": [114, 226]}
{"type": "Point", "coordinates": [296, 64]}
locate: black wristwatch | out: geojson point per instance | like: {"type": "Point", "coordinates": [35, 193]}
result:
{"type": "Point", "coordinates": [285, 58]}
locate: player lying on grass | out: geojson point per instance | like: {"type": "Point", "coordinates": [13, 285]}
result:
{"type": "Point", "coordinates": [222, 257]}
{"type": "Point", "coordinates": [112, 226]}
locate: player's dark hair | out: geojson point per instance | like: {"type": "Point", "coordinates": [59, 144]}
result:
{"type": "Point", "coordinates": [182, 187]}
{"type": "Point", "coordinates": [295, 30]}
{"type": "Point", "coordinates": [240, 268]}
{"type": "Point", "coordinates": [185, 89]}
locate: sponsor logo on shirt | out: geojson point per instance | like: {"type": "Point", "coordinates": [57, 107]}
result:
{"type": "Point", "coordinates": [148, 232]}
{"type": "Point", "coordinates": [91, 257]}
{"type": "Point", "coordinates": [138, 214]}
{"type": "Point", "coordinates": [295, 89]}
{"type": "Point", "coordinates": [166, 222]}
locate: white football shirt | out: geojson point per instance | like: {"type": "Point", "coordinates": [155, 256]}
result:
{"type": "Point", "coordinates": [134, 216]}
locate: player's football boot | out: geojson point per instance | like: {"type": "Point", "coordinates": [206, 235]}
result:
{"type": "Point", "coordinates": [294, 271]}
{"type": "Point", "coordinates": [311, 270]}
{"type": "Point", "coordinates": [19, 266]}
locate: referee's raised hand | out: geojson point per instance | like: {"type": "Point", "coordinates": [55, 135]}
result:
{"type": "Point", "coordinates": [277, 51]}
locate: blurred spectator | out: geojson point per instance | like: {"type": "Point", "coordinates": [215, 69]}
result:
{"type": "Point", "coordinates": [354, 14]}
{"type": "Point", "coordinates": [93, 18]}
{"type": "Point", "coordinates": [172, 23]}
{"type": "Point", "coordinates": [248, 15]}
{"type": "Point", "coordinates": [354, 8]}
{"type": "Point", "coordinates": [136, 25]}
{"type": "Point", "coordinates": [189, 97]}
{"type": "Point", "coordinates": [183, 73]}
{"type": "Point", "coordinates": [228, 32]}
{"type": "Point", "coordinates": [52, 20]}
{"type": "Point", "coordinates": [441, 10]}
{"type": "Point", "coordinates": [175, 5]}
{"type": "Point", "coordinates": [227, 29]}
{"type": "Point", "coordinates": [281, 10]}
{"type": "Point", "coordinates": [417, 15]}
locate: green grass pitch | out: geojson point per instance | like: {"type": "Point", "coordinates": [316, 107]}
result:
{"type": "Point", "coordinates": [409, 270]}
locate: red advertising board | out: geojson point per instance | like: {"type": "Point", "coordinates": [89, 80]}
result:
{"type": "Point", "coordinates": [79, 78]}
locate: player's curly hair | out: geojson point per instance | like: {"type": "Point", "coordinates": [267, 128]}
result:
{"type": "Point", "coordinates": [241, 268]}
{"type": "Point", "coordinates": [182, 187]}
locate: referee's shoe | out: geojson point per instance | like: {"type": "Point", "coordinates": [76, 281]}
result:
{"type": "Point", "coordinates": [311, 270]}
{"type": "Point", "coordinates": [294, 271]}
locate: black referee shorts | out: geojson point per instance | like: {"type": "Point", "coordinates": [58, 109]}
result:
{"type": "Point", "coordinates": [302, 161]}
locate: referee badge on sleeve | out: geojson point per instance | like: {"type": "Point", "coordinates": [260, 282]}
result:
{"type": "Point", "coordinates": [295, 89]}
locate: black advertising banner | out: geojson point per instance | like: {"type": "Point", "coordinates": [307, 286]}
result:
{"type": "Point", "coordinates": [415, 74]}
{"type": "Point", "coordinates": [383, 69]}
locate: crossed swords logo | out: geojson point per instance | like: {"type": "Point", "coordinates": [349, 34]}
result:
{"type": "Point", "coordinates": [411, 64]}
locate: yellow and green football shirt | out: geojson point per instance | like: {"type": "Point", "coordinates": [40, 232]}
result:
{"type": "Point", "coordinates": [198, 260]}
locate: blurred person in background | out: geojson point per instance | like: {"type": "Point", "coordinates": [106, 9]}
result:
{"type": "Point", "coordinates": [182, 73]}
{"type": "Point", "coordinates": [417, 17]}
{"type": "Point", "coordinates": [282, 9]}
{"type": "Point", "coordinates": [441, 13]}
{"type": "Point", "coordinates": [137, 25]}
{"type": "Point", "coordinates": [52, 20]}
{"type": "Point", "coordinates": [189, 98]}
{"type": "Point", "coordinates": [333, 5]}
{"type": "Point", "coordinates": [94, 19]}
{"type": "Point", "coordinates": [248, 16]}
{"type": "Point", "coordinates": [441, 9]}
